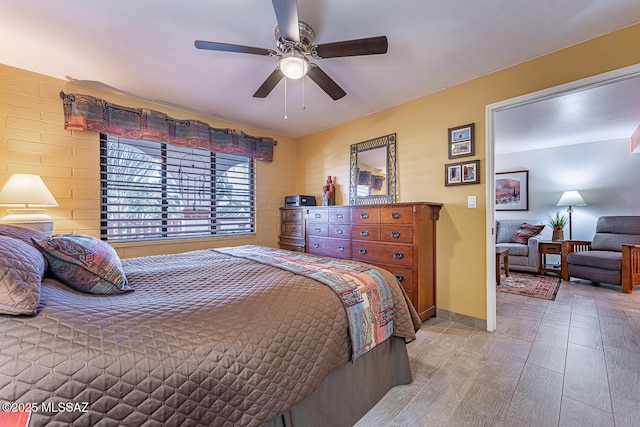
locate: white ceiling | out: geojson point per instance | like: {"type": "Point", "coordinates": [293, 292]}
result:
{"type": "Point", "coordinates": [602, 113]}
{"type": "Point", "coordinates": [145, 48]}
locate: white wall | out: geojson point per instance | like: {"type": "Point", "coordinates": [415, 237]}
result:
{"type": "Point", "coordinates": [605, 173]}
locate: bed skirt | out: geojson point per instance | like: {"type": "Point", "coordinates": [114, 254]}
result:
{"type": "Point", "coordinates": [350, 391]}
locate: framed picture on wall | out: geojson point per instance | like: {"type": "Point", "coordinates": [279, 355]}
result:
{"type": "Point", "coordinates": [462, 173]}
{"type": "Point", "coordinates": [512, 191]}
{"type": "Point", "coordinates": [461, 142]}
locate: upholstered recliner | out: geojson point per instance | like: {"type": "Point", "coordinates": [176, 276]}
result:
{"type": "Point", "coordinates": [522, 257]}
{"type": "Point", "coordinates": [613, 256]}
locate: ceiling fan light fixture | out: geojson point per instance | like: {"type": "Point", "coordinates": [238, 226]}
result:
{"type": "Point", "coordinates": [294, 65]}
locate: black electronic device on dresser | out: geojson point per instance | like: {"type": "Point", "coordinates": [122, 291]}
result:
{"type": "Point", "coordinates": [399, 237]}
{"type": "Point", "coordinates": [300, 200]}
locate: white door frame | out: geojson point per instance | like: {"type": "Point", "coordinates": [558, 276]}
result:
{"type": "Point", "coordinates": [490, 118]}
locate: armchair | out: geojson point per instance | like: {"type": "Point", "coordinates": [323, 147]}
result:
{"type": "Point", "coordinates": [522, 257]}
{"type": "Point", "coordinates": [613, 256]}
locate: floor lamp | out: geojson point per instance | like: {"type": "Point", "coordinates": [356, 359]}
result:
{"type": "Point", "coordinates": [571, 199]}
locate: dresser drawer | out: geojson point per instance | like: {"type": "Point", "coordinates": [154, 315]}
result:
{"type": "Point", "coordinates": [396, 233]}
{"type": "Point", "coordinates": [288, 247]}
{"type": "Point", "coordinates": [291, 215]}
{"type": "Point", "coordinates": [340, 231]}
{"type": "Point", "coordinates": [337, 248]}
{"type": "Point", "coordinates": [291, 229]}
{"type": "Point", "coordinates": [396, 215]}
{"type": "Point", "coordinates": [365, 215]}
{"type": "Point", "coordinates": [365, 232]}
{"type": "Point", "coordinates": [400, 255]}
{"type": "Point", "coordinates": [318, 229]}
{"type": "Point", "coordinates": [339, 215]}
{"type": "Point", "coordinates": [292, 241]}
{"type": "Point", "coordinates": [318, 215]}
{"type": "Point", "coordinates": [404, 276]}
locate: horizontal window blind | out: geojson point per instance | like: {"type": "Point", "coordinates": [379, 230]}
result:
{"type": "Point", "coordinates": [153, 190]}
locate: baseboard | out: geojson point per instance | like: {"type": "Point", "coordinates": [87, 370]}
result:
{"type": "Point", "coordinates": [473, 322]}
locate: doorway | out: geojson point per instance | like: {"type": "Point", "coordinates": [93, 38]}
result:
{"type": "Point", "coordinates": [492, 112]}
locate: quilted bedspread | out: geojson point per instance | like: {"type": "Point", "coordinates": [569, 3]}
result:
{"type": "Point", "coordinates": [205, 339]}
{"type": "Point", "coordinates": [364, 292]}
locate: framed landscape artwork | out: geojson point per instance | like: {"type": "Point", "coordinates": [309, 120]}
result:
{"type": "Point", "coordinates": [512, 191]}
{"type": "Point", "coordinates": [462, 173]}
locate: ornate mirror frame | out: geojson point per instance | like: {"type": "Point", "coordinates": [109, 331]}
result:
{"type": "Point", "coordinates": [388, 141]}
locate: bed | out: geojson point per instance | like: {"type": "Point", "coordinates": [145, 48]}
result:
{"type": "Point", "coordinates": [206, 338]}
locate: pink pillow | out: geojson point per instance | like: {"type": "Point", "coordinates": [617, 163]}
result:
{"type": "Point", "coordinates": [525, 232]}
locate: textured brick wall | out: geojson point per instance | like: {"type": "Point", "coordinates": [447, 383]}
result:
{"type": "Point", "coordinates": [33, 140]}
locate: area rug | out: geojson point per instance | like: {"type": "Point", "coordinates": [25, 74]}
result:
{"type": "Point", "coordinates": [530, 285]}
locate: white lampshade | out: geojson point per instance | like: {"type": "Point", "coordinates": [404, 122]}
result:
{"type": "Point", "coordinates": [26, 191]}
{"type": "Point", "coordinates": [571, 198]}
{"type": "Point", "coordinates": [294, 65]}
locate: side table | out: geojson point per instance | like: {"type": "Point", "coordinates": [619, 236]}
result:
{"type": "Point", "coordinates": [549, 247]}
{"type": "Point", "coordinates": [502, 254]}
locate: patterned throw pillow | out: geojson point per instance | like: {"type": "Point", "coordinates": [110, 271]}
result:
{"type": "Point", "coordinates": [84, 263]}
{"type": "Point", "coordinates": [525, 232]}
{"type": "Point", "coordinates": [21, 270]}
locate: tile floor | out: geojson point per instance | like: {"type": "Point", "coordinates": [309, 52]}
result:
{"type": "Point", "coordinates": [574, 361]}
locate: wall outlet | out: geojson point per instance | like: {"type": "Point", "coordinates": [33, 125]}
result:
{"type": "Point", "coordinates": [471, 202]}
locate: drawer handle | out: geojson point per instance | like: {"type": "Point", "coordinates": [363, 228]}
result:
{"type": "Point", "coordinates": [364, 232]}
{"type": "Point", "coordinates": [363, 251]}
{"type": "Point", "coordinates": [339, 231]}
{"type": "Point", "coordinates": [316, 245]}
{"type": "Point", "coordinates": [398, 255]}
{"type": "Point", "coordinates": [339, 216]}
{"type": "Point", "coordinates": [395, 234]}
{"type": "Point", "coordinates": [341, 248]}
{"type": "Point", "coordinates": [318, 230]}
{"type": "Point", "coordinates": [400, 277]}
{"type": "Point", "coordinates": [317, 215]}
{"type": "Point", "coordinates": [395, 215]}
{"type": "Point", "coordinates": [364, 215]}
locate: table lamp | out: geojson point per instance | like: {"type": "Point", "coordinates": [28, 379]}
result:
{"type": "Point", "coordinates": [26, 191]}
{"type": "Point", "coordinates": [571, 199]}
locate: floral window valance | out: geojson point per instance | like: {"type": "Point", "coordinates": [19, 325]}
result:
{"type": "Point", "coordinates": [84, 112]}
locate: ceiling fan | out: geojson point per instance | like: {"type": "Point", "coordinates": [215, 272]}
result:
{"type": "Point", "coordinates": [294, 40]}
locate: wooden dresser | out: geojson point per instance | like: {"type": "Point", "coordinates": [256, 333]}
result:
{"type": "Point", "coordinates": [400, 237]}
{"type": "Point", "coordinates": [292, 229]}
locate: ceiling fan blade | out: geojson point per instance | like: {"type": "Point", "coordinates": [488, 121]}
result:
{"type": "Point", "coordinates": [265, 89]}
{"type": "Point", "coordinates": [287, 17]}
{"type": "Point", "coordinates": [325, 82]}
{"type": "Point", "coordinates": [367, 46]}
{"type": "Point", "coordinates": [226, 47]}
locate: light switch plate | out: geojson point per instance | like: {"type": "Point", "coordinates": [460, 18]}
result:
{"type": "Point", "coordinates": [471, 202]}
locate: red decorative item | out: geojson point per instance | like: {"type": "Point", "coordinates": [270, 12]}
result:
{"type": "Point", "coordinates": [328, 193]}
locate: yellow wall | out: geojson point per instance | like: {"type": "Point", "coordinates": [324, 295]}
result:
{"type": "Point", "coordinates": [33, 140]}
{"type": "Point", "coordinates": [421, 127]}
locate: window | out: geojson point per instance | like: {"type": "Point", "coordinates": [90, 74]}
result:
{"type": "Point", "coordinates": [153, 190]}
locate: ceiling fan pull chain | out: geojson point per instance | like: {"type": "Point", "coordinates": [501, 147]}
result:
{"type": "Point", "coordinates": [285, 98]}
{"type": "Point", "coordinates": [303, 106]}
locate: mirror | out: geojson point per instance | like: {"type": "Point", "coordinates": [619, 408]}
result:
{"type": "Point", "coordinates": [373, 171]}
